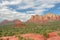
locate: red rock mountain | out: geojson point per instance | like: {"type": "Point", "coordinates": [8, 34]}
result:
{"type": "Point", "coordinates": [52, 17]}
{"type": "Point", "coordinates": [43, 18]}
{"type": "Point", "coordinates": [17, 23]}
{"type": "Point", "coordinates": [36, 19]}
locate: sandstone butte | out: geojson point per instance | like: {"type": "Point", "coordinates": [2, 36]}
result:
{"type": "Point", "coordinates": [17, 23]}
{"type": "Point", "coordinates": [43, 18]}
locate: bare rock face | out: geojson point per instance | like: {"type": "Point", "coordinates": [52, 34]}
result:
{"type": "Point", "coordinates": [43, 18]}
{"type": "Point", "coordinates": [51, 16]}
{"type": "Point", "coordinates": [36, 19]}
{"type": "Point", "coordinates": [58, 17]}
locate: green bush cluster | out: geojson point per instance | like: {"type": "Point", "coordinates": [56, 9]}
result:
{"type": "Point", "coordinates": [8, 30]}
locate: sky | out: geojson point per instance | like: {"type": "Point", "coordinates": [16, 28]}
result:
{"type": "Point", "coordinates": [23, 9]}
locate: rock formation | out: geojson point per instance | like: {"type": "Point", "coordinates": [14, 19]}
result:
{"type": "Point", "coordinates": [36, 19]}
{"type": "Point", "coordinates": [43, 18]}
{"type": "Point", "coordinates": [17, 23]}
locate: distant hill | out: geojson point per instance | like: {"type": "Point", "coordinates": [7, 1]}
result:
{"type": "Point", "coordinates": [34, 19]}
{"type": "Point", "coordinates": [15, 22]}
{"type": "Point", "coordinates": [5, 22]}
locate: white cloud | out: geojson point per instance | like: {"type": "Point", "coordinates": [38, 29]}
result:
{"type": "Point", "coordinates": [47, 5]}
{"type": "Point", "coordinates": [38, 5]}
{"type": "Point", "coordinates": [25, 7]}
{"type": "Point", "coordinates": [39, 12]}
{"type": "Point", "coordinates": [11, 2]}
{"type": "Point", "coordinates": [11, 15]}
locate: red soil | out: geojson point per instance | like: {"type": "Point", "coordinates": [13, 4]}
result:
{"type": "Point", "coordinates": [53, 36]}
{"type": "Point", "coordinates": [33, 36]}
{"type": "Point", "coordinates": [50, 36]}
{"type": "Point", "coordinates": [9, 38]}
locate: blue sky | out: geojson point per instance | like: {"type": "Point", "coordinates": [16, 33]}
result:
{"type": "Point", "coordinates": [56, 9]}
{"type": "Point", "coordinates": [23, 9]}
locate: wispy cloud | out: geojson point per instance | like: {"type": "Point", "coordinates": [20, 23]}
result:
{"type": "Point", "coordinates": [8, 8]}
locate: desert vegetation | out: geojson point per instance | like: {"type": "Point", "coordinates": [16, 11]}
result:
{"type": "Point", "coordinates": [43, 29]}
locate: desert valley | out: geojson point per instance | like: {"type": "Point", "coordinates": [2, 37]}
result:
{"type": "Point", "coordinates": [38, 27]}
